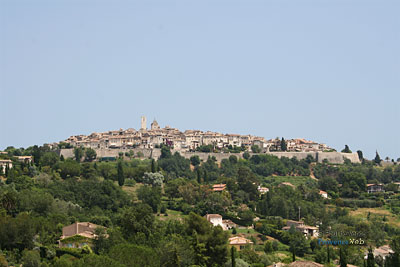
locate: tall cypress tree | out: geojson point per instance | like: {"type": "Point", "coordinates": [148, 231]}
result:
{"type": "Point", "coordinates": [6, 171]}
{"type": "Point", "coordinates": [233, 256]}
{"type": "Point", "coordinates": [205, 177]}
{"type": "Point", "coordinates": [342, 260]}
{"type": "Point", "coordinates": [370, 259]}
{"type": "Point", "coordinates": [283, 144]}
{"type": "Point", "coordinates": [198, 175]}
{"type": "Point", "coordinates": [329, 253]}
{"type": "Point", "coordinates": [153, 166]}
{"type": "Point", "coordinates": [377, 158]}
{"type": "Point", "coordinates": [120, 174]}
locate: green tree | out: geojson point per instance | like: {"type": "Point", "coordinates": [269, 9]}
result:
{"type": "Point", "coordinates": [343, 258]}
{"type": "Point", "coordinates": [49, 159]}
{"type": "Point", "coordinates": [90, 154]}
{"type": "Point", "coordinates": [247, 182]}
{"type": "Point", "coordinates": [209, 243]}
{"type": "Point", "coordinates": [151, 196]}
{"type": "Point", "coordinates": [393, 260]}
{"type": "Point", "coordinates": [98, 261]}
{"type": "Point", "coordinates": [120, 173]}
{"type": "Point", "coordinates": [153, 166]}
{"type": "Point", "coordinates": [165, 152]}
{"type": "Point", "coordinates": [134, 255]}
{"type": "Point", "coordinates": [233, 256]}
{"type": "Point", "coordinates": [195, 160]}
{"type": "Point", "coordinates": [255, 149]}
{"type": "Point", "coordinates": [268, 248]}
{"type": "Point", "coordinates": [346, 149]}
{"type": "Point", "coordinates": [246, 155]}
{"type": "Point", "coordinates": [31, 258]}
{"type": "Point", "coordinates": [283, 144]}
{"type": "Point", "coordinates": [68, 168]}
{"type": "Point", "coordinates": [137, 219]}
{"type": "Point", "coordinates": [78, 152]}
{"type": "Point", "coordinates": [154, 179]}
{"type": "Point", "coordinates": [360, 155]}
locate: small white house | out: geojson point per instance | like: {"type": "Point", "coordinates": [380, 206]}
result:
{"type": "Point", "coordinates": [262, 190]}
{"type": "Point", "coordinates": [215, 219]}
{"type": "Point", "coordinates": [323, 194]}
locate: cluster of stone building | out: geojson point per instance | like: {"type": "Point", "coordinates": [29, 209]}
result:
{"type": "Point", "coordinates": [188, 140]}
{"type": "Point", "coordinates": [8, 164]}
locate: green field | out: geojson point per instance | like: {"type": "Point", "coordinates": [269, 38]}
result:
{"type": "Point", "coordinates": [173, 215]}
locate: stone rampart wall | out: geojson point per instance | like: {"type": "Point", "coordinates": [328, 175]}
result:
{"type": "Point", "coordinates": [332, 157]}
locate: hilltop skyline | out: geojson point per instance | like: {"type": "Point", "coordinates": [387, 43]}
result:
{"type": "Point", "coordinates": [166, 130]}
{"type": "Point", "coordinates": [322, 70]}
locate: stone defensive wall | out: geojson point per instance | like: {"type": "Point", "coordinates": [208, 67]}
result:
{"type": "Point", "coordinates": [114, 153]}
{"type": "Point", "coordinates": [331, 157]}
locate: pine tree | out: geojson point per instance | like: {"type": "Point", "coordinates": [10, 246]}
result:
{"type": "Point", "coordinates": [120, 174]}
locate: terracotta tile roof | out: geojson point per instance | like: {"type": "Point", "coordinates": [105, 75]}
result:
{"type": "Point", "coordinates": [219, 187]}
{"type": "Point", "coordinates": [85, 229]}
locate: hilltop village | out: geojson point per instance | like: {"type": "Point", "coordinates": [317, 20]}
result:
{"type": "Point", "coordinates": [161, 197]}
{"type": "Point", "coordinates": [189, 140]}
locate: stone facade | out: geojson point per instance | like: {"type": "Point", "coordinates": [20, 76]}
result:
{"type": "Point", "coordinates": [186, 141]}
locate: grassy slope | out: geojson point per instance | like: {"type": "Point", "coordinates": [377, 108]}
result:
{"type": "Point", "coordinates": [381, 212]}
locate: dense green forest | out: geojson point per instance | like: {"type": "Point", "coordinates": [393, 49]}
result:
{"type": "Point", "coordinates": [153, 211]}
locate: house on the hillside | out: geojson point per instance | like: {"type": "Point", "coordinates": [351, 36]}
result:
{"type": "Point", "coordinates": [299, 226]}
{"type": "Point", "coordinates": [240, 242]}
{"type": "Point", "coordinates": [262, 190]}
{"type": "Point", "coordinates": [382, 251]}
{"type": "Point", "coordinates": [78, 235]}
{"type": "Point", "coordinates": [219, 187]}
{"type": "Point", "coordinates": [215, 219]}
{"type": "Point", "coordinates": [228, 224]}
{"type": "Point", "coordinates": [4, 164]}
{"type": "Point", "coordinates": [25, 159]}
{"type": "Point", "coordinates": [375, 188]}
{"type": "Point", "coordinates": [323, 194]}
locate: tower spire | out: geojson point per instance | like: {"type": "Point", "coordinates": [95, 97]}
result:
{"type": "Point", "coordinates": [143, 123]}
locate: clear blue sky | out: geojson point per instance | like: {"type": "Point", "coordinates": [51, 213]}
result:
{"type": "Point", "coordinates": [323, 70]}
